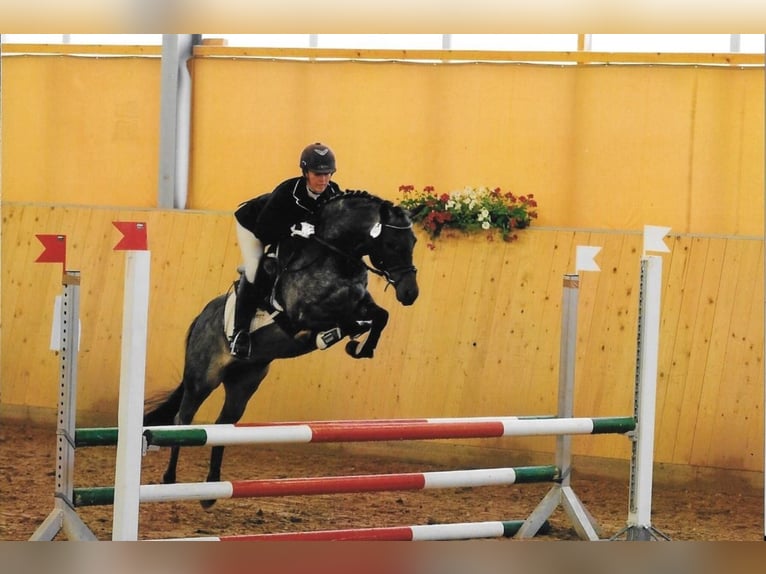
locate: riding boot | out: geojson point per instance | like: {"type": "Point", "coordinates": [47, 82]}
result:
{"type": "Point", "coordinates": [260, 289]}
{"type": "Point", "coordinates": [244, 309]}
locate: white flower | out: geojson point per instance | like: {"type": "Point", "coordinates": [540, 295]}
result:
{"type": "Point", "coordinates": [485, 225]}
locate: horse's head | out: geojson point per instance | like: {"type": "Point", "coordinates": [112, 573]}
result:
{"type": "Point", "coordinates": [359, 223]}
{"type": "Point", "coordinates": [391, 251]}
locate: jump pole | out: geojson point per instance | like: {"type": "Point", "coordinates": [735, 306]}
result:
{"type": "Point", "coordinates": [359, 431]}
{"type": "Point", "coordinates": [308, 486]}
{"type": "Point", "coordinates": [132, 377]}
{"type": "Point", "coordinates": [417, 533]}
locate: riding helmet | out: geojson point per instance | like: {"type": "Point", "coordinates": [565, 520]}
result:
{"type": "Point", "coordinates": [318, 158]}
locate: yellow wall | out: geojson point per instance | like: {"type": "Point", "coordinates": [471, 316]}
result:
{"type": "Point", "coordinates": [81, 130]}
{"type": "Point", "coordinates": [608, 147]}
{"type": "Point", "coordinates": [483, 339]}
{"type": "Point", "coordinates": [602, 147]}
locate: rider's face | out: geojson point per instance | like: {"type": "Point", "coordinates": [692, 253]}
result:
{"type": "Point", "coordinates": [318, 182]}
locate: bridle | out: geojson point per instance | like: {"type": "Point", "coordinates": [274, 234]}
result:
{"type": "Point", "coordinates": [387, 274]}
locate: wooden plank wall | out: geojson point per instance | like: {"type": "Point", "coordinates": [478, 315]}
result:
{"type": "Point", "coordinates": [483, 339]}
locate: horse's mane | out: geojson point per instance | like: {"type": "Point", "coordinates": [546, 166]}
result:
{"type": "Point", "coordinates": [353, 194]}
{"type": "Point", "coordinates": [358, 194]}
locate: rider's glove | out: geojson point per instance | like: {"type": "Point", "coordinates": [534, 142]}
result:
{"type": "Point", "coordinates": [303, 229]}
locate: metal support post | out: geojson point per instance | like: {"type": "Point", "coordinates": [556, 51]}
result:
{"type": "Point", "coordinates": [562, 493]}
{"type": "Point", "coordinates": [63, 516]}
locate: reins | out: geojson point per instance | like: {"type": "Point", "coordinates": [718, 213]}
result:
{"type": "Point", "coordinates": [385, 273]}
{"type": "Point", "coordinates": [348, 256]}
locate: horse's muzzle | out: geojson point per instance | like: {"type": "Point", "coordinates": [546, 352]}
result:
{"type": "Point", "coordinates": [407, 290]}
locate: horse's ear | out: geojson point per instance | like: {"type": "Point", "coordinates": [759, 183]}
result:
{"type": "Point", "coordinates": [417, 213]}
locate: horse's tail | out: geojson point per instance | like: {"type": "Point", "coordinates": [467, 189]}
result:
{"type": "Point", "coordinates": [162, 410]}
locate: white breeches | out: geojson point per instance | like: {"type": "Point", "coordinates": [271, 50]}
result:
{"type": "Point", "coordinates": [252, 251]}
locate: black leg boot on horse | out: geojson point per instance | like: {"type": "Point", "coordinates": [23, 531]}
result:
{"type": "Point", "coordinates": [249, 295]}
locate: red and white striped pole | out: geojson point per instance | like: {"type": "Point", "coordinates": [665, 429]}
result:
{"type": "Point", "coordinates": [423, 532]}
{"type": "Point", "coordinates": [307, 486]}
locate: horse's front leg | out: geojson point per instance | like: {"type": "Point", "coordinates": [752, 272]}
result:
{"type": "Point", "coordinates": [378, 318]}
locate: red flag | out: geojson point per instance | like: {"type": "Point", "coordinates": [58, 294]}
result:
{"type": "Point", "coordinates": [55, 249]}
{"type": "Point", "coordinates": [134, 236]}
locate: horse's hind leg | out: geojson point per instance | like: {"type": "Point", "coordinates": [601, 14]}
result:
{"type": "Point", "coordinates": [205, 359]}
{"type": "Point", "coordinates": [240, 382]}
{"type": "Point", "coordinates": [194, 396]}
{"type": "Point", "coordinates": [189, 407]}
{"type": "Point", "coordinates": [169, 477]}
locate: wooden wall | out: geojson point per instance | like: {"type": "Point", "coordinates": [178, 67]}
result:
{"type": "Point", "coordinates": [483, 339]}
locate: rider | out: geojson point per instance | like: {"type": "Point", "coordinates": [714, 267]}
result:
{"type": "Point", "coordinates": [270, 218]}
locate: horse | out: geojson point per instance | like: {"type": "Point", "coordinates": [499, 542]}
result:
{"type": "Point", "coordinates": [320, 287]}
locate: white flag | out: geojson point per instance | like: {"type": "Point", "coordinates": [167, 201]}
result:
{"type": "Point", "coordinates": [584, 258]}
{"type": "Point", "coordinates": [653, 238]}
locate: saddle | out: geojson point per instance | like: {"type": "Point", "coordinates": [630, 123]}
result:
{"type": "Point", "coordinates": [262, 317]}
{"type": "Point", "coordinates": [267, 311]}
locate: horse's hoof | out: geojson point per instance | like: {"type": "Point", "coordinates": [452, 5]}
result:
{"type": "Point", "coordinates": [352, 349]}
{"type": "Point", "coordinates": [168, 478]}
{"type": "Point", "coordinates": [207, 504]}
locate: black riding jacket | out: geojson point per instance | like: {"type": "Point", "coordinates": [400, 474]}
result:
{"type": "Point", "coordinates": [270, 216]}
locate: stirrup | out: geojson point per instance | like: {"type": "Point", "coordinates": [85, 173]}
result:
{"type": "Point", "coordinates": [240, 345]}
{"type": "Point", "coordinates": [327, 338]}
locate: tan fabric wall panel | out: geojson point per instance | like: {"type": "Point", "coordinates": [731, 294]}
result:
{"type": "Point", "coordinates": [81, 130]}
{"type": "Point", "coordinates": [483, 339]}
{"type": "Point", "coordinates": [606, 147]}
{"type": "Point", "coordinates": [602, 147]}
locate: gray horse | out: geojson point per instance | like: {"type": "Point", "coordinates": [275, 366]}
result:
{"type": "Point", "coordinates": [320, 287]}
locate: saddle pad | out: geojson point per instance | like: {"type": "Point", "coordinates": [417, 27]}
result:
{"type": "Point", "coordinates": [261, 318]}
